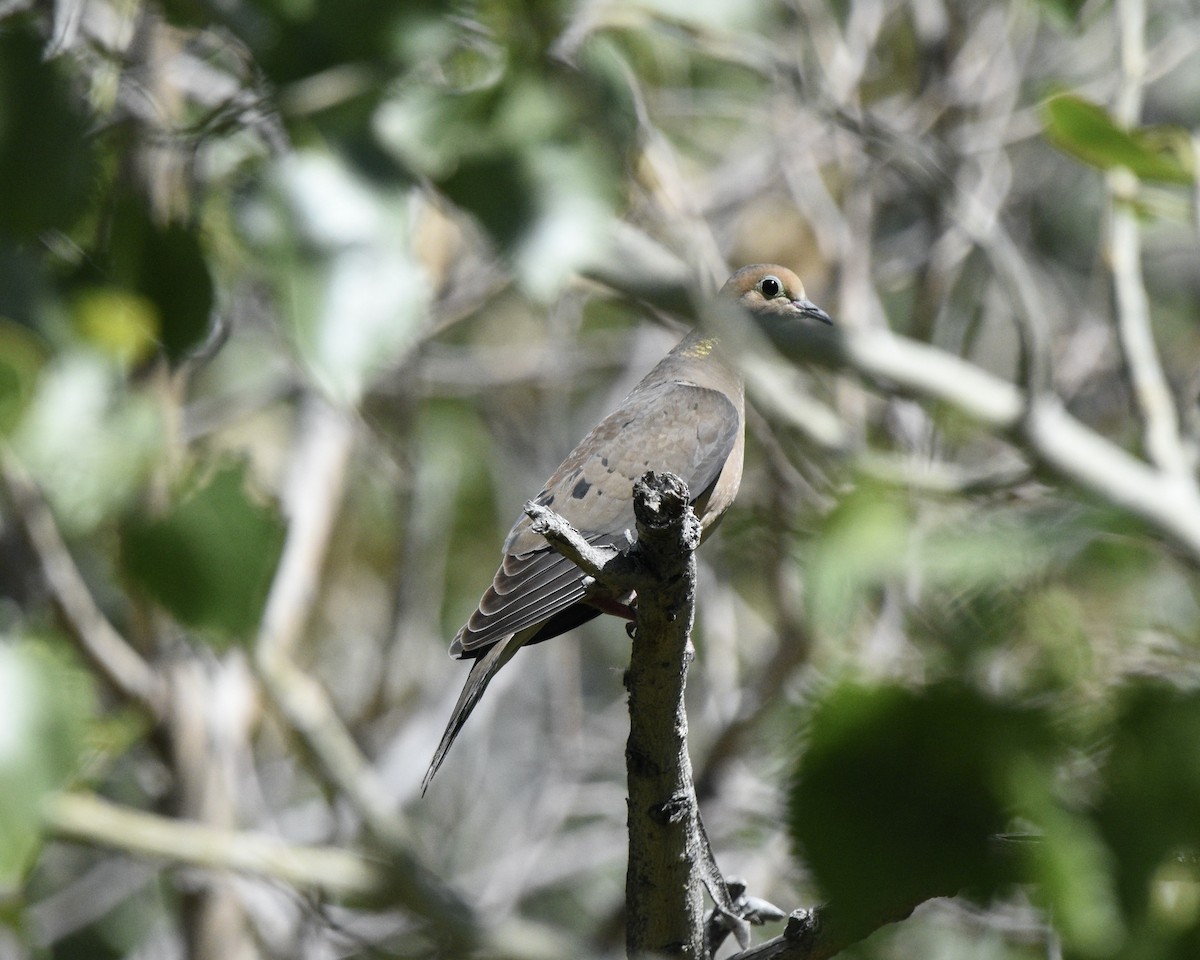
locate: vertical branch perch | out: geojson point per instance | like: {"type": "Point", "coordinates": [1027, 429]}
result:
{"type": "Point", "coordinates": [663, 897]}
{"type": "Point", "coordinates": [670, 860]}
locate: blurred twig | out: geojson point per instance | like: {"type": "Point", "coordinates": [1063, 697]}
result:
{"type": "Point", "coordinates": [116, 660]}
{"type": "Point", "coordinates": [203, 741]}
{"type": "Point", "coordinates": [313, 498]}
{"type": "Point", "coordinates": [339, 873]}
{"type": "Point", "coordinates": [1041, 424]}
{"type": "Point", "coordinates": [1151, 392]}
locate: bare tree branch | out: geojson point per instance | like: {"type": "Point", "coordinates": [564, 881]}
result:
{"type": "Point", "coordinates": [337, 873]}
{"type": "Point", "coordinates": [1040, 424]}
{"type": "Point", "coordinates": [663, 893]}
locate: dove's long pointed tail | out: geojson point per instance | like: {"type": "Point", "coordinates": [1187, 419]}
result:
{"type": "Point", "coordinates": [481, 674]}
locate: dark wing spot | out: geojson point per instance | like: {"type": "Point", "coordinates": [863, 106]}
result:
{"type": "Point", "coordinates": [545, 498]}
{"type": "Point", "coordinates": [581, 489]}
{"type": "Point", "coordinates": [604, 462]}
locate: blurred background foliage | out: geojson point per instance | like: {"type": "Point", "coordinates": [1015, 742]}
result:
{"type": "Point", "coordinates": [926, 666]}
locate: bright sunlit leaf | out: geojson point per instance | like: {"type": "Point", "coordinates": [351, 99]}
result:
{"type": "Point", "coordinates": [122, 324]}
{"type": "Point", "coordinates": [44, 707]}
{"type": "Point", "coordinates": [713, 14]}
{"type": "Point", "coordinates": [87, 440]}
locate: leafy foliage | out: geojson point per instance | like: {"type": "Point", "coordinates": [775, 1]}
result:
{"type": "Point", "coordinates": [209, 559]}
{"type": "Point", "coordinates": [900, 794]}
{"type": "Point", "coordinates": [45, 151]}
{"type": "Point", "coordinates": [1085, 130]}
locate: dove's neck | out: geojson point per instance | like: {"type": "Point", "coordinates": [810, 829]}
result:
{"type": "Point", "coordinates": [702, 359]}
{"type": "Point", "coordinates": [697, 346]}
{"type": "Point", "coordinates": [704, 347]}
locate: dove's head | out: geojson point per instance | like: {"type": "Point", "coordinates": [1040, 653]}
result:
{"type": "Point", "coordinates": [767, 288]}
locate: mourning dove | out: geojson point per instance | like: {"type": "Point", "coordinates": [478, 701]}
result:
{"type": "Point", "coordinates": [685, 417]}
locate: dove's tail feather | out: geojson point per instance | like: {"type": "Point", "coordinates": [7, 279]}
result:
{"type": "Point", "coordinates": [482, 671]}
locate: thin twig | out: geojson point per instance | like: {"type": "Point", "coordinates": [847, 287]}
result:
{"type": "Point", "coordinates": [599, 563]}
{"type": "Point", "coordinates": [312, 501]}
{"type": "Point", "coordinates": [112, 655]}
{"type": "Point", "coordinates": [1151, 392]}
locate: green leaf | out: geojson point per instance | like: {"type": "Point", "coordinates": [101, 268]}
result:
{"type": "Point", "coordinates": [46, 158]}
{"type": "Point", "coordinates": [209, 560]}
{"type": "Point", "coordinates": [21, 359]}
{"type": "Point", "coordinates": [861, 542]}
{"type": "Point", "coordinates": [44, 707]}
{"type": "Point", "coordinates": [291, 40]}
{"type": "Point", "coordinates": [117, 322]}
{"type": "Point", "coordinates": [1072, 869]}
{"type": "Point", "coordinates": [1087, 132]}
{"type": "Point", "coordinates": [499, 191]}
{"type": "Point", "coordinates": [899, 794]}
{"type": "Point", "coordinates": [165, 265]}
{"type": "Point", "coordinates": [1062, 11]}
{"type": "Point", "coordinates": [174, 276]}
{"type": "Point", "coordinates": [1150, 811]}
{"type": "Point", "coordinates": [88, 439]}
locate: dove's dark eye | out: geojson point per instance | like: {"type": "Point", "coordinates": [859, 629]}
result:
{"type": "Point", "coordinates": [770, 287]}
